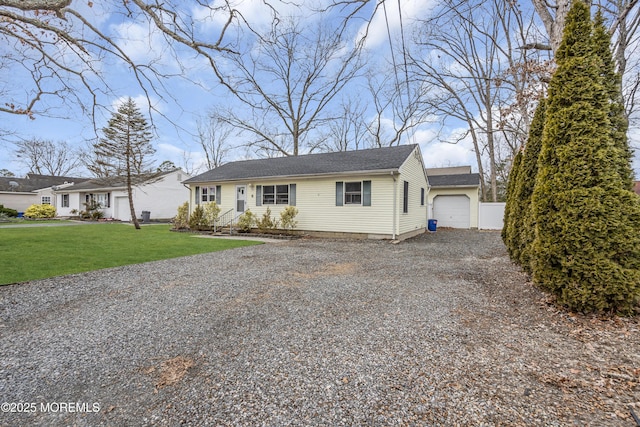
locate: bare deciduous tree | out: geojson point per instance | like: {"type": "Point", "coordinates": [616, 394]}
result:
{"type": "Point", "coordinates": [213, 138]}
{"type": "Point", "coordinates": [286, 81]}
{"type": "Point", "coordinates": [349, 130]}
{"type": "Point", "coordinates": [398, 106]}
{"type": "Point", "coordinates": [56, 50]}
{"type": "Point", "coordinates": [466, 57]}
{"type": "Point", "coordinates": [47, 157]}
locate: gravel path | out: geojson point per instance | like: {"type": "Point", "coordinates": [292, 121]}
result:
{"type": "Point", "coordinates": [438, 330]}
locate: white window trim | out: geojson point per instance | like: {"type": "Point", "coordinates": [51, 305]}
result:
{"type": "Point", "coordinates": [275, 194]}
{"type": "Point", "coordinates": [344, 193]}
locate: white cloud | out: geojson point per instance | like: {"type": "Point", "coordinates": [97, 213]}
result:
{"type": "Point", "coordinates": [377, 30]}
{"type": "Point", "coordinates": [256, 12]}
{"type": "Point", "coordinates": [140, 42]}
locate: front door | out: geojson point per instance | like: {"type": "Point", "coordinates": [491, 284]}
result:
{"type": "Point", "coordinates": [241, 197]}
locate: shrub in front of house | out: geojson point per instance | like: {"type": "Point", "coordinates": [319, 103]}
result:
{"type": "Point", "coordinates": [40, 211]}
{"type": "Point", "coordinates": [198, 221]}
{"type": "Point", "coordinates": [211, 213]}
{"type": "Point", "coordinates": [181, 220]}
{"type": "Point", "coordinates": [246, 221]}
{"type": "Point", "coordinates": [8, 212]}
{"type": "Point", "coordinates": [267, 223]}
{"type": "Point", "coordinates": [287, 218]}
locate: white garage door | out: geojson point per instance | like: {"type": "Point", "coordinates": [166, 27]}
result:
{"type": "Point", "coordinates": [452, 211]}
{"type": "Point", "coordinates": [123, 212]}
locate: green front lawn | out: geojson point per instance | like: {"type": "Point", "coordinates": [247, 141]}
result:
{"type": "Point", "coordinates": [38, 252]}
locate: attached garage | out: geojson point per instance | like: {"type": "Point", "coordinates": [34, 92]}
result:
{"type": "Point", "coordinates": [454, 196]}
{"type": "Point", "coordinates": [452, 211]}
{"type": "Point", "coordinates": [122, 209]}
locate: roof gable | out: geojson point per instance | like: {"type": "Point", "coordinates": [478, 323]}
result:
{"type": "Point", "coordinates": [342, 162]}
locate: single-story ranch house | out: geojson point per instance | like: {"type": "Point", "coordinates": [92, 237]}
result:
{"type": "Point", "coordinates": [160, 194]}
{"type": "Point", "coordinates": [373, 193]}
{"type": "Point", "coordinates": [20, 193]}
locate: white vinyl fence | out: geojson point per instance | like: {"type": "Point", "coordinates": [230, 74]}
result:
{"type": "Point", "coordinates": [490, 216]}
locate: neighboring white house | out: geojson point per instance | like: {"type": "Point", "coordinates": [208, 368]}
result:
{"type": "Point", "coordinates": [454, 196]}
{"type": "Point", "coordinates": [20, 193]}
{"type": "Point", "coordinates": [159, 194]}
{"type": "Point", "coordinates": [374, 193]}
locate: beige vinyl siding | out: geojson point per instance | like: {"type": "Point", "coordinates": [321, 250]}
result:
{"type": "Point", "coordinates": [471, 192]}
{"type": "Point", "coordinates": [317, 210]}
{"type": "Point", "coordinates": [413, 172]}
{"type": "Point", "coordinates": [316, 203]}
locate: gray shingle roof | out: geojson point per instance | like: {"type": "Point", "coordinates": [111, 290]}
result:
{"type": "Point", "coordinates": [375, 159]}
{"type": "Point", "coordinates": [116, 182]}
{"type": "Point", "coordinates": [457, 180]}
{"type": "Point", "coordinates": [35, 182]}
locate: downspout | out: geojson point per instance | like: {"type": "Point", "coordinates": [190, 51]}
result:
{"type": "Point", "coordinates": [395, 205]}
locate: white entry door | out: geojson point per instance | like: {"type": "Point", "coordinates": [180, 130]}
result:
{"type": "Point", "coordinates": [241, 198]}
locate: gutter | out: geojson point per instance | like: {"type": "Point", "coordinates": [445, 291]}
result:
{"type": "Point", "coordinates": [306, 176]}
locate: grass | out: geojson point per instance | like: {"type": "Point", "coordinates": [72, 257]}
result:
{"type": "Point", "coordinates": [21, 221]}
{"type": "Point", "coordinates": [32, 253]}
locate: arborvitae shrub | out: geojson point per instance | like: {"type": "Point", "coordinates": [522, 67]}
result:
{"type": "Point", "coordinates": [586, 249]}
{"type": "Point", "coordinates": [511, 214]}
{"type": "Point", "coordinates": [526, 183]}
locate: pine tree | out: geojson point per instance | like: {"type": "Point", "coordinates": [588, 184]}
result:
{"type": "Point", "coordinates": [125, 149]}
{"type": "Point", "coordinates": [586, 249]}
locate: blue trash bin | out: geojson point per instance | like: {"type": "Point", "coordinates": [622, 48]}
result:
{"type": "Point", "coordinates": [432, 224]}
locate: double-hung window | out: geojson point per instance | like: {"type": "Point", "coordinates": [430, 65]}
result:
{"type": "Point", "coordinates": [65, 201]}
{"type": "Point", "coordinates": [102, 199]}
{"type": "Point", "coordinates": [353, 193]}
{"type": "Point", "coordinates": [46, 200]}
{"type": "Point", "coordinates": [282, 194]}
{"type": "Point", "coordinates": [208, 194]}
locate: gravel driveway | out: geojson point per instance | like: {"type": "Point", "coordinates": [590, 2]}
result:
{"type": "Point", "coordinates": [438, 330]}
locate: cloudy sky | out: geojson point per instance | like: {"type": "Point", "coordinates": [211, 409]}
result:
{"type": "Point", "coordinates": [193, 91]}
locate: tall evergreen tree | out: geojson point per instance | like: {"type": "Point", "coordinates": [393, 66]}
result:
{"type": "Point", "coordinates": [526, 184]}
{"type": "Point", "coordinates": [613, 86]}
{"type": "Point", "coordinates": [125, 149]}
{"type": "Point", "coordinates": [511, 211]}
{"type": "Point", "coordinates": [586, 249]}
